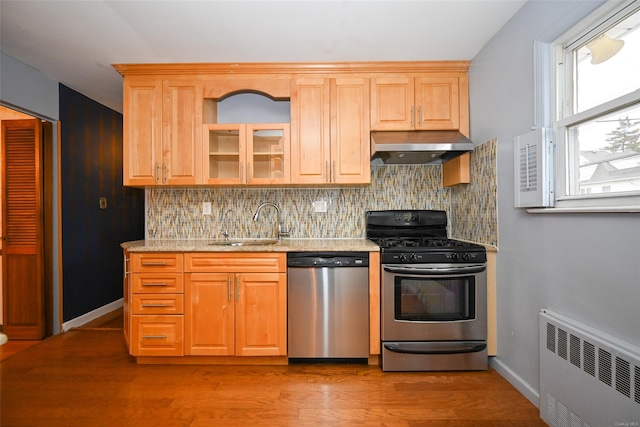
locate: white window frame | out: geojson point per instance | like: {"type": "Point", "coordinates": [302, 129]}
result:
{"type": "Point", "coordinates": [597, 22]}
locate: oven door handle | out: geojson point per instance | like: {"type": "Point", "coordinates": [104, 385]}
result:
{"type": "Point", "coordinates": [452, 348]}
{"type": "Point", "coordinates": [465, 269]}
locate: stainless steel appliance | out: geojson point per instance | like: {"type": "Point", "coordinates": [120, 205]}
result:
{"type": "Point", "coordinates": [433, 296]}
{"type": "Point", "coordinates": [417, 147]}
{"type": "Point", "coordinates": [328, 305]}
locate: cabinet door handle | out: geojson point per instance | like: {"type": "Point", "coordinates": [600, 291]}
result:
{"type": "Point", "coordinates": [334, 171]}
{"type": "Point", "coordinates": [157, 168]}
{"type": "Point", "coordinates": [154, 263]}
{"type": "Point", "coordinates": [241, 180]}
{"type": "Point", "coordinates": [420, 116]}
{"type": "Point", "coordinates": [160, 337]}
{"type": "Point", "coordinates": [249, 173]}
{"type": "Point", "coordinates": [327, 175]}
{"type": "Point", "coordinates": [237, 289]}
{"type": "Point", "coordinates": [164, 173]}
{"type": "Point", "coordinates": [154, 305]}
{"type": "Point", "coordinates": [155, 284]}
{"type": "Point", "coordinates": [229, 288]}
{"type": "Point", "coordinates": [412, 118]}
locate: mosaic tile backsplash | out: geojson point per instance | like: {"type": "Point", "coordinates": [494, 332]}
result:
{"type": "Point", "coordinates": [176, 213]}
{"type": "Point", "coordinates": [474, 207]}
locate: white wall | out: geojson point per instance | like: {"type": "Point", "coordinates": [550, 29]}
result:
{"type": "Point", "coordinates": [586, 266]}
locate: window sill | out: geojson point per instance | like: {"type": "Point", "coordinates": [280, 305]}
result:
{"type": "Point", "coordinates": [603, 209]}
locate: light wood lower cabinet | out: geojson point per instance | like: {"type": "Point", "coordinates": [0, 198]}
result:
{"type": "Point", "coordinates": [154, 302]}
{"type": "Point", "coordinates": [235, 304]}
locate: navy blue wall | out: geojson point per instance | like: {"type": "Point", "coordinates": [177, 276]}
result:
{"type": "Point", "coordinates": [91, 157]}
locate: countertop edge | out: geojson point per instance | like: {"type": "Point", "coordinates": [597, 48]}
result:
{"type": "Point", "coordinates": [286, 245]}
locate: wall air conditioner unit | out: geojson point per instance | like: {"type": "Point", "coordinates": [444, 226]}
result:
{"type": "Point", "coordinates": [533, 169]}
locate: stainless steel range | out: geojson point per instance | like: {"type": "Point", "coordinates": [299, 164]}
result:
{"type": "Point", "coordinates": [433, 296]}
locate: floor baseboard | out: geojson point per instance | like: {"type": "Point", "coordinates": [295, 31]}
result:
{"type": "Point", "coordinates": [92, 315]}
{"type": "Point", "coordinates": [521, 385]}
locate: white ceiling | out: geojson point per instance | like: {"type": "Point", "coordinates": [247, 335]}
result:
{"type": "Point", "coordinates": [76, 42]}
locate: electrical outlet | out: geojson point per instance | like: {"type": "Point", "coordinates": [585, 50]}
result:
{"type": "Point", "coordinates": [320, 206]}
{"type": "Point", "coordinates": [206, 208]}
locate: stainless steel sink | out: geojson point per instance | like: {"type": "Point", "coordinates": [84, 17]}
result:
{"type": "Point", "coordinates": [244, 242]}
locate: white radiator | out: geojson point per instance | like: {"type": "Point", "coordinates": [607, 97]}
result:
{"type": "Point", "coordinates": [587, 378]}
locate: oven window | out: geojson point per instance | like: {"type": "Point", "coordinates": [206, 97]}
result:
{"type": "Point", "coordinates": [442, 299]}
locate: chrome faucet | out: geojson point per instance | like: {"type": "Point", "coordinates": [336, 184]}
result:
{"type": "Point", "coordinates": [282, 230]}
{"type": "Point", "coordinates": [225, 230]}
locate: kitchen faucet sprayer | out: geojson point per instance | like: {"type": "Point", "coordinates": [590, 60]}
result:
{"type": "Point", "coordinates": [282, 230]}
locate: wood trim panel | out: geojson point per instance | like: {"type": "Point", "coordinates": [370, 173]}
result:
{"type": "Point", "coordinates": [292, 68]}
{"type": "Point", "coordinates": [374, 303]}
{"type": "Point", "coordinates": [457, 171]}
{"type": "Point", "coordinates": [276, 87]}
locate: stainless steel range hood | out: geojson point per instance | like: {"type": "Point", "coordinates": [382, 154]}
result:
{"type": "Point", "coordinates": [417, 147]}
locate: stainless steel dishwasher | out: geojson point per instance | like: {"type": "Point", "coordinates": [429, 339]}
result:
{"type": "Point", "coordinates": [328, 304]}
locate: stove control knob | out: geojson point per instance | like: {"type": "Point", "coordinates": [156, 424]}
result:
{"type": "Point", "coordinates": [402, 257]}
{"type": "Point", "coordinates": [465, 256]}
{"type": "Point", "coordinates": [454, 257]}
{"type": "Point", "coordinates": [412, 257]}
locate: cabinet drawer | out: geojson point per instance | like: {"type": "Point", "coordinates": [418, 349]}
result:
{"type": "Point", "coordinates": [157, 336]}
{"type": "Point", "coordinates": [157, 304]}
{"type": "Point", "coordinates": [156, 262]}
{"type": "Point", "coordinates": [237, 262]}
{"type": "Point", "coordinates": [157, 283]}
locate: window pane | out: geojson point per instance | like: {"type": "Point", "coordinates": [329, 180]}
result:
{"type": "Point", "coordinates": [601, 77]}
{"type": "Point", "coordinates": [604, 154]}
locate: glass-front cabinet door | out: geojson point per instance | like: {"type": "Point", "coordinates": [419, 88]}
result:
{"type": "Point", "coordinates": [254, 154]}
{"type": "Point", "coordinates": [268, 153]}
{"type": "Point", "coordinates": [225, 146]}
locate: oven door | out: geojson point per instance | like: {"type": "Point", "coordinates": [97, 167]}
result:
{"type": "Point", "coordinates": [434, 302]}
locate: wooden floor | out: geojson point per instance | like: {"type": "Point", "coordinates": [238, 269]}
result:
{"type": "Point", "coordinates": [85, 377]}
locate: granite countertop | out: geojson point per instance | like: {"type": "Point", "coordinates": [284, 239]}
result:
{"type": "Point", "coordinates": [285, 245]}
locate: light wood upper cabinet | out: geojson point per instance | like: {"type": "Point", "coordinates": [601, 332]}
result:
{"type": "Point", "coordinates": [350, 146]}
{"type": "Point", "coordinates": [392, 103]}
{"type": "Point", "coordinates": [310, 131]}
{"type": "Point", "coordinates": [142, 130]}
{"type": "Point", "coordinates": [162, 132]}
{"type": "Point", "coordinates": [172, 135]}
{"type": "Point", "coordinates": [181, 132]}
{"type": "Point", "coordinates": [434, 102]}
{"type": "Point", "coordinates": [330, 131]}
{"type": "Point", "coordinates": [254, 154]}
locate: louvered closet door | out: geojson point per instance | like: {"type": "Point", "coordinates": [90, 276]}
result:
{"type": "Point", "coordinates": [22, 230]}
